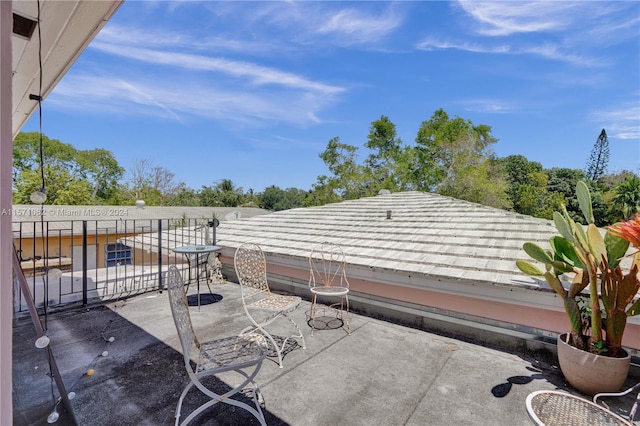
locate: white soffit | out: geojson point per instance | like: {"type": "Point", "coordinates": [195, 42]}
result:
{"type": "Point", "coordinates": [67, 29]}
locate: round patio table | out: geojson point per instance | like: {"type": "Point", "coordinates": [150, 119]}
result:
{"type": "Point", "coordinates": [197, 251]}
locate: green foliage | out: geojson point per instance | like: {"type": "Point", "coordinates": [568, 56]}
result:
{"type": "Point", "coordinates": [527, 188]}
{"type": "Point", "coordinates": [563, 181]}
{"type": "Point", "coordinates": [446, 146]}
{"type": "Point", "coordinates": [481, 181]}
{"type": "Point", "coordinates": [324, 192]}
{"type": "Point", "coordinates": [183, 197]}
{"type": "Point", "coordinates": [626, 199]}
{"type": "Point", "coordinates": [61, 187]}
{"type": "Point", "coordinates": [450, 156]}
{"type": "Point", "coordinates": [275, 199]}
{"type": "Point", "coordinates": [350, 180]}
{"type": "Point", "coordinates": [223, 194]}
{"type": "Point", "coordinates": [97, 168]}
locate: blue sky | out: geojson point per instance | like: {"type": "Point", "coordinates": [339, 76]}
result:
{"type": "Point", "coordinates": [253, 92]}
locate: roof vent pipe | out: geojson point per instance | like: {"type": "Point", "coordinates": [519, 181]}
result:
{"type": "Point", "coordinates": [388, 214]}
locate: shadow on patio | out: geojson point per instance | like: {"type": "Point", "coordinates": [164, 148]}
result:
{"type": "Point", "coordinates": [382, 373]}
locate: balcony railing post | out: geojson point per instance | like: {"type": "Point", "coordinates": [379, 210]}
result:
{"type": "Point", "coordinates": [160, 281]}
{"type": "Point", "coordinates": [84, 262]}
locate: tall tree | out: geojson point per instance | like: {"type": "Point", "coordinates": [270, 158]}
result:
{"type": "Point", "coordinates": [100, 168]}
{"type": "Point", "coordinates": [446, 146]}
{"type": "Point", "coordinates": [61, 187]}
{"type": "Point", "coordinates": [385, 144]}
{"type": "Point", "coordinates": [153, 184]}
{"type": "Point", "coordinates": [563, 181]}
{"type": "Point", "coordinates": [350, 180]}
{"type": "Point", "coordinates": [389, 163]}
{"type": "Point", "coordinates": [97, 167]}
{"type": "Point", "coordinates": [483, 183]}
{"type": "Point", "coordinates": [454, 159]}
{"type": "Point", "coordinates": [275, 199]}
{"type": "Point", "coordinates": [527, 184]}
{"type": "Point", "coordinates": [599, 158]}
{"type": "Point", "coordinates": [183, 196]}
{"type": "Point", "coordinates": [229, 194]}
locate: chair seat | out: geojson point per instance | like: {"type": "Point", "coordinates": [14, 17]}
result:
{"type": "Point", "coordinates": [277, 302]}
{"type": "Point", "coordinates": [330, 291]}
{"type": "Point", "coordinates": [234, 351]}
{"type": "Point", "coordinates": [560, 408]}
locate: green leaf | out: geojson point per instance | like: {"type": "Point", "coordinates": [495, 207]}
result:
{"type": "Point", "coordinates": [562, 226]}
{"type": "Point", "coordinates": [529, 268]}
{"type": "Point", "coordinates": [581, 236]}
{"type": "Point", "coordinates": [584, 200]}
{"type": "Point", "coordinates": [562, 267]}
{"type": "Point", "coordinates": [616, 248]}
{"type": "Point", "coordinates": [537, 253]}
{"type": "Point", "coordinates": [555, 284]}
{"type": "Point", "coordinates": [596, 243]}
{"type": "Point", "coordinates": [573, 312]}
{"type": "Point", "coordinates": [564, 251]}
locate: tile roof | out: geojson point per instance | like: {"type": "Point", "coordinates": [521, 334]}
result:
{"type": "Point", "coordinates": [427, 234]}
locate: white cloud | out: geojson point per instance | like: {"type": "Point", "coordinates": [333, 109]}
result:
{"type": "Point", "coordinates": [505, 18]}
{"type": "Point", "coordinates": [166, 39]}
{"type": "Point", "coordinates": [557, 52]}
{"type": "Point", "coordinates": [622, 122]}
{"type": "Point", "coordinates": [488, 106]}
{"type": "Point", "coordinates": [358, 26]}
{"type": "Point", "coordinates": [257, 74]}
{"type": "Point", "coordinates": [436, 44]}
{"type": "Point", "coordinates": [321, 24]}
{"type": "Point", "coordinates": [178, 100]}
{"type": "Point", "coordinates": [546, 50]}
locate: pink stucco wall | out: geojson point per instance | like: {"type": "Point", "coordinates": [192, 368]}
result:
{"type": "Point", "coordinates": [514, 313]}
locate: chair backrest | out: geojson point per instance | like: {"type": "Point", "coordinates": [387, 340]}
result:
{"type": "Point", "coordinates": [327, 266]}
{"type": "Point", "coordinates": [181, 317]}
{"type": "Point", "coordinates": [251, 269]}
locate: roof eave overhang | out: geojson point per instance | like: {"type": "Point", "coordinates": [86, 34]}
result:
{"type": "Point", "coordinates": [67, 28]}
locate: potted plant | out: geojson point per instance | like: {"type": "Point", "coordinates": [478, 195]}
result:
{"type": "Point", "coordinates": [591, 356]}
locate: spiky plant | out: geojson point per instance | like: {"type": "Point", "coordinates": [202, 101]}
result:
{"type": "Point", "coordinates": [592, 259]}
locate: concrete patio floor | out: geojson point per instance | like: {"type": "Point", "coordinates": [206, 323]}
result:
{"type": "Point", "coordinates": [381, 374]}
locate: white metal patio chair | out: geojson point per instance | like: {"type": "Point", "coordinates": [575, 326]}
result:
{"type": "Point", "coordinates": [551, 407]}
{"type": "Point", "coordinates": [251, 269]}
{"type": "Point", "coordinates": [202, 359]}
{"type": "Point", "coordinates": [327, 278]}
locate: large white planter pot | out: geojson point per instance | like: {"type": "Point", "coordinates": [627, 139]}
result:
{"type": "Point", "coordinates": [591, 373]}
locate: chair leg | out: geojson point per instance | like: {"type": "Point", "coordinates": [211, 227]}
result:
{"type": "Point", "coordinates": [312, 313]}
{"type": "Point", "coordinates": [346, 297]}
{"type": "Point", "coordinates": [261, 328]}
{"type": "Point", "coordinates": [342, 313]}
{"type": "Point", "coordinates": [299, 335]}
{"type": "Point", "coordinates": [180, 401]}
{"type": "Point", "coordinates": [226, 397]}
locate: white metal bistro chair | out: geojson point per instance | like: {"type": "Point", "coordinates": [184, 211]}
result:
{"type": "Point", "coordinates": [327, 278]}
{"type": "Point", "coordinates": [556, 408]}
{"type": "Point", "coordinates": [202, 359]}
{"type": "Point", "coordinates": [251, 269]}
